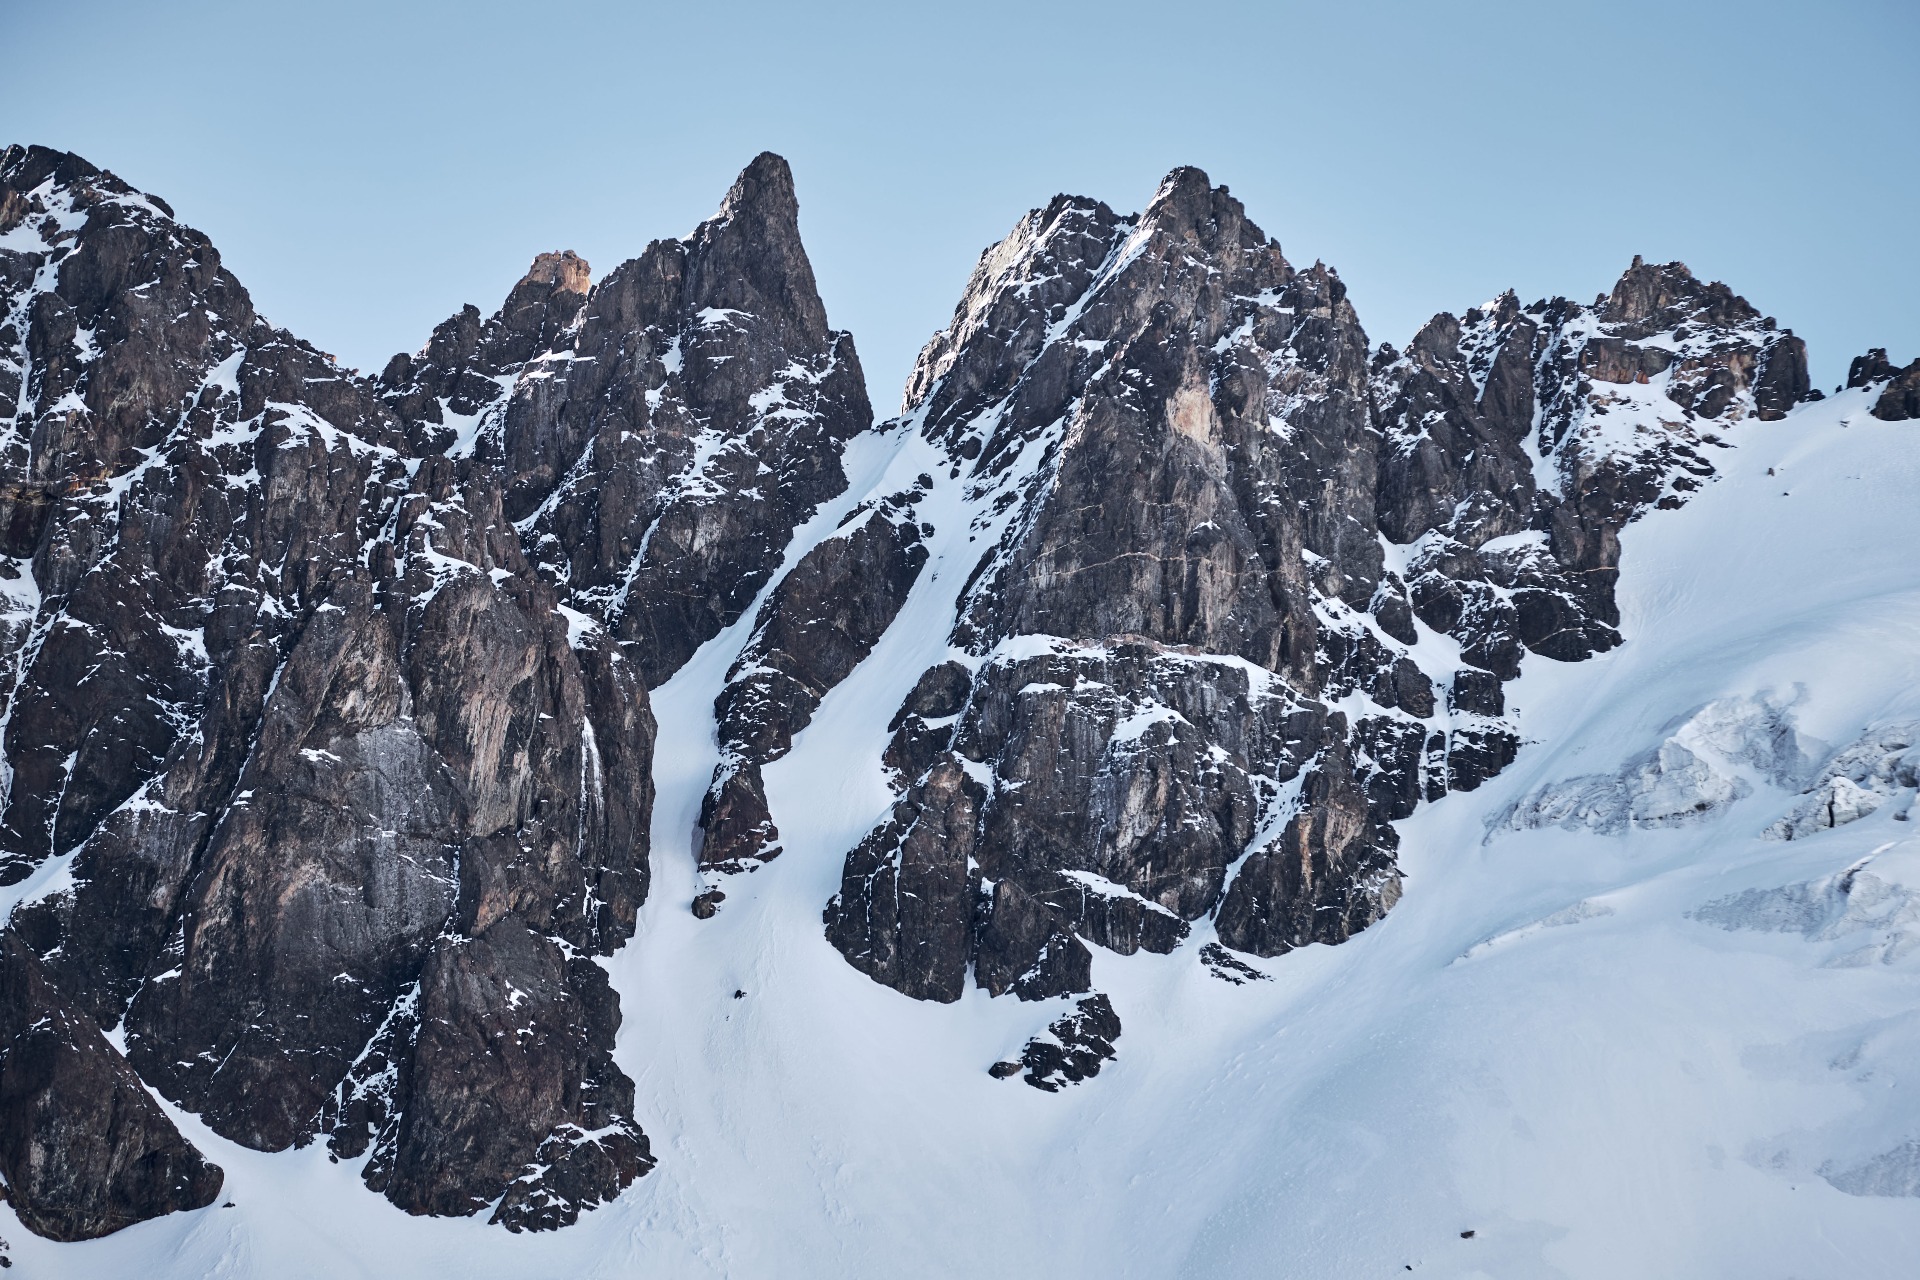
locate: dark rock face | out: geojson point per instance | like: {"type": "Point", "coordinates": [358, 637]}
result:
{"type": "Point", "coordinates": [1900, 402]}
{"type": "Point", "coordinates": [1619, 404]}
{"type": "Point", "coordinates": [1072, 1050]}
{"type": "Point", "coordinates": [662, 432]}
{"type": "Point", "coordinates": [1868, 369]}
{"type": "Point", "coordinates": [1167, 430]}
{"type": "Point", "coordinates": [908, 895]}
{"type": "Point", "coordinates": [334, 691]}
{"type": "Point", "coordinates": [1137, 419]}
{"type": "Point", "coordinates": [1105, 793]}
{"type": "Point", "coordinates": [1899, 398]}
{"type": "Point", "coordinates": [923, 725]}
{"type": "Point", "coordinates": [83, 1148]}
{"type": "Point", "coordinates": [1329, 875]}
{"type": "Point", "coordinates": [292, 866]}
{"type": "Point", "coordinates": [504, 1078]}
{"type": "Point", "coordinates": [1216, 542]}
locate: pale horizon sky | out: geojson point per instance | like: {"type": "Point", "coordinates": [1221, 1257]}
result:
{"type": "Point", "coordinates": [366, 168]}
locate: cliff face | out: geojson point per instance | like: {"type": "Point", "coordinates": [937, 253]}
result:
{"type": "Point", "coordinates": [1521, 440]}
{"type": "Point", "coordinates": [1246, 594]}
{"type": "Point", "coordinates": [326, 724]}
{"type": "Point", "coordinates": [83, 1147]}
{"type": "Point", "coordinates": [325, 709]}
{"type": "Point", "coordinates": [658, 435]}
{"type": "Point", "coordinates": [1171, 427]}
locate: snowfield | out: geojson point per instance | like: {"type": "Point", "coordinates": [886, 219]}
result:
{"type": "Point", "coordinates": [1650, 1004]}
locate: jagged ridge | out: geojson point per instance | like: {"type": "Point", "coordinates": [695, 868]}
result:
{"type": "Point", "coordinates": [328, 735]}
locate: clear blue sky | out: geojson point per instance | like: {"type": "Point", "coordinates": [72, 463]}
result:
{"type": "Point", "coordinates": [367, 167]}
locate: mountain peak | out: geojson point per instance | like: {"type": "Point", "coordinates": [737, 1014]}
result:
{"type": "Point", "coordinates": [566, 270]}
{"type": "Point", "coordinates": [1188, 180]}
{"type": "Point", "coordinates": [763, 189]}
{"type": "Point", "coordinates": [1652, 296]}
{"type": "Point", "coordinates": [24, 168]}
{"type": "Point", "coordinates": [1189, 206]}
{"type": "Point", "coordinates": [748, 257]}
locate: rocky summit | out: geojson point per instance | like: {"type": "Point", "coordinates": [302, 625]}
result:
{"type": "Point", "coordinates": [328, 706]}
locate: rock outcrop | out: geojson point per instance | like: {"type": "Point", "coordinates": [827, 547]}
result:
{"type": "Point", "coordinates": [1170, 461]}
{"type": "Point", "coordinates": [817, 625]}
{"type": "Point", "coordinates": [84, 1150]}
{"type": "Point", "coordinates": [1200, 671]}
{"type": "Point", "coordinates": [504, 1023]}
{"type": "Point", "coordinates": [1072, 1050]}
{"type": "Point", "coordinates": [1899, 389]}
{"type": "Point", "coordinates": [1520, 441]}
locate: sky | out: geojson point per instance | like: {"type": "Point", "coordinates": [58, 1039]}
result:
{"type": "Point", "coordinates": [366, 168]}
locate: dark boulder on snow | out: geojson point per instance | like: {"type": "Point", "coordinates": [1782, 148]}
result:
{"type": "Point", "coordinates": [1228, 967]}
{"type": "Point", "coordinates": [1900, 401]}
{"type": "Point", "coordinates": [1899, 389]}
{"type": "Point", "coordinates": [1073, 1049]}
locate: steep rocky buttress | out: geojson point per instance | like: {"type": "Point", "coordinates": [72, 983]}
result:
{"type": "Point", "coordinates": [326, 723]}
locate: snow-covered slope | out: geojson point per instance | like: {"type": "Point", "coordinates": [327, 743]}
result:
{"type": "Point", "coordinates": [1615, 1026]}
